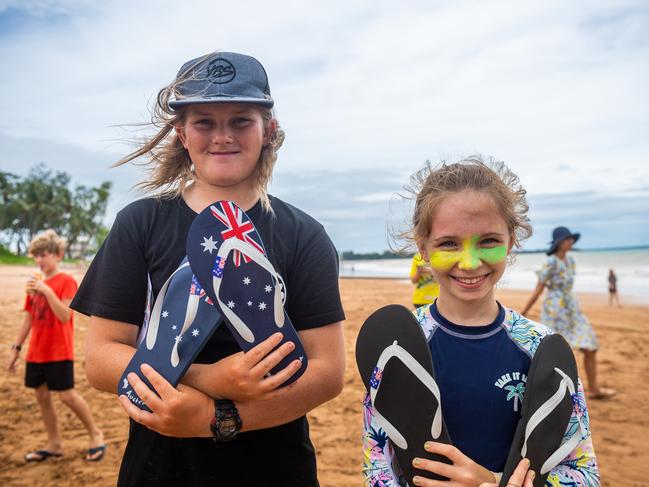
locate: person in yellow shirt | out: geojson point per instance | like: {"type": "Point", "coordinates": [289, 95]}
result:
{"type": "Point", "coordinates": [426, 288]}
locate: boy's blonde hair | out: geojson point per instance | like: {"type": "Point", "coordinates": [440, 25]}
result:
{"type": "Point", "coordinates": [47, 241]}
{"type": "Point", "coordinates": [169, 166]}
{"type": "Point", "coordinates": [432, 184]}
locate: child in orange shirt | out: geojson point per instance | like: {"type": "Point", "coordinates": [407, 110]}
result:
{"type": "Point", "coordinates": [50, 358]}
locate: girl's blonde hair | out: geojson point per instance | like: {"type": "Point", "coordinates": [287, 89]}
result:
{"type": "Point", "coordinates": [169, 167]}
{"type": "Point", "coordinates": [47, 241]}
{"type": "Point", "coordinates": [430, 185]}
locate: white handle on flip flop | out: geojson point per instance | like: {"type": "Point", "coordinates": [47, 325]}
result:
{"type": "Point", "coordinates": [252, 253]}
{"type": "Point", "coordinates": [190, 315]}
{"type": "Point", "coordinates": [566, 385]}
{"type": "Point", "coordinates": [156, 312]}
{"type": "Point", "coordinates": [154, 322]}
{"type": "Point", "coordinates": [397, 351]}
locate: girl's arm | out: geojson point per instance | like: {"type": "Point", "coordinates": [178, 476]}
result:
{"type": "Point", "coordinates": [377, 452]}
{"type": "Point", "coordinates": [20, 339]}
{"type": "Point", "coordinates": [535, 295]}
{"type": "Point", "coordinates": [579, 468]}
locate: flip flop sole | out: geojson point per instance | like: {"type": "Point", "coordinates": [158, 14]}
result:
{"type": "Point", "coordinates": [183, 303]}
{"type": "Point", "coordinates": [402, 398]}
{"type": "Point", "coordinates": [542, 383]}
{"type": "Point", "coordinates": [246, 288]}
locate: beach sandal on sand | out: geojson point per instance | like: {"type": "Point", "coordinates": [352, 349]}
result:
{"type": "Point", "coordinates": [41, 455]}
{"type": "Point", "coordinates": [95, 454]}
{"type": "Point", "coordinates": [550, 394]}
{"type": "Point", "coordinates": [181, 322]}
{"type": "Point", "coordinates": [395, 365]}
{"type": "Point", "coordinates": [602, 393]}
{"type": "Point", "coordinates": [228, 258]}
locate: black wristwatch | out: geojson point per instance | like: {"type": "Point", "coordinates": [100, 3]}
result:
{"type": "Point", "coordinates": [226, 423]}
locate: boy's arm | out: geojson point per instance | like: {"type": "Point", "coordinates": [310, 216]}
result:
{"type": "Point", "coordinates": [579, 468]}
{"type": "Point", "coordinates": [110, 346]}
{"type": "Point", "coordinates": [60, 308]}
{"type": "Point", "coordinates": [322, 381]}
{"type": "Point", "coordinates": [20, 340]}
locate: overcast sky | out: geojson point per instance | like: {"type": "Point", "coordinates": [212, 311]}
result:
{"type": "Point", "coordinates": [366, 91]}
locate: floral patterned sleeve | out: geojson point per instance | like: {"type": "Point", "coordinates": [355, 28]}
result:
{"type": "Point", "coordinates": [546, 271]}
{"type": "Point", "coordinates": [378, 455]}
{"type": "Point", "coordinates": [579, 468]}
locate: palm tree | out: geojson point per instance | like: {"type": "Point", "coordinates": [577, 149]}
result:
{"type": "Point", "coordinates": [516, 392]}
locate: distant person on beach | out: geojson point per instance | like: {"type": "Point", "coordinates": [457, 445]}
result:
{"type": "Point", "coordinates": [50, 359]}
{"type": "Point", "coordinates": [561, 310]}
{"type": "Point", "coordinates": [467, 218]}
{"type": "Point", "coordinates": [421, 275]}
{"type": "Point", "coordinates": [228, 423]}
{"type": "Point", "coordinates": [613, 296]}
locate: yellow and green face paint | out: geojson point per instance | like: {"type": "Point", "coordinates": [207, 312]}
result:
{"type": "Point", "coordinates": [469, 257]}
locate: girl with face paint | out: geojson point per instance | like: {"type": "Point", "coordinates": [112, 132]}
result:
{"type": "Point", "coordinates": [468, 217]}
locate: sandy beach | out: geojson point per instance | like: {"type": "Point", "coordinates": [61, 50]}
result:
{"type": "Point", "coordinates": [620, 426]}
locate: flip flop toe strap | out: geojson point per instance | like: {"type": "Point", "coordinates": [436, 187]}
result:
{"type": "Point", "coordinates": [156, 312]}
{"type": "Point", "coordinates": [397, 351]}
{"type": "Point", "coordinates": [566, 385]}
{"type": "Point", "coordinates": [252, 253]}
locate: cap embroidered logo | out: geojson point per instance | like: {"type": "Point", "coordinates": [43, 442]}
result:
{"type": "Point", "coordinates": [222, 70]}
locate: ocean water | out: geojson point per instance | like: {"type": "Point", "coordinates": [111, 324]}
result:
{"type": "Point", "coordinates": [631, 268]}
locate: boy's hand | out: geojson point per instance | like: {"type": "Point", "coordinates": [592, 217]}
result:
{"type": "Point", "coordinates": [246, 373]}
{"type": "Point", "coordinates": [11, 365]}
{"type": "Point", "coordinates": [38, 285]}
{"type": "Point", "coordinates": [180, 412]}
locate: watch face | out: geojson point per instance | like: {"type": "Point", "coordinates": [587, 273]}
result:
{"type": "Point", "coordinates": [227, 427]}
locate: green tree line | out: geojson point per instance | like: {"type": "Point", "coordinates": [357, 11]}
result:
{"type": "Point", "coordinates": [45, 199]}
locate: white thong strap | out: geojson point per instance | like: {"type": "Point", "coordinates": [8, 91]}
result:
{"type": "Point", "coordinates": [279, 296]}
{"type": "Point", "coordinates": [566, 385]}
{"type": "Point", "coordinates": [396, 351]}
{"type": "Point", "coordinates": [156, 312]}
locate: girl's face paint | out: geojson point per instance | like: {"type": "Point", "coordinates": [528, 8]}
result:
{"type": "Point", "coordinates": [467, 247]}
{"type": "Point", "coordinates": [469, 257]}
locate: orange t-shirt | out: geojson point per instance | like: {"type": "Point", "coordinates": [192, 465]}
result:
{"type": "Point", "coordinates": [51, 340]}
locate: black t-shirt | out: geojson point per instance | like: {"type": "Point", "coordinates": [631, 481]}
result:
{"type": "Point", "coordinates": [147, 241]}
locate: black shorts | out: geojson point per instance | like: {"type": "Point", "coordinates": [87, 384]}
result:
{"type": "Point", "coordinates": [59, 376]}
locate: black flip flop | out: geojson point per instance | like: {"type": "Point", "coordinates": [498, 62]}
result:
{"type": "Point", "coordinates": [395, 365]}
{"type": "Point", "coordinates": [546, 411]}
{"type": "Point", "coordinates": [101, 449]}
{"type": "Point", "coordinates": [42, 455]}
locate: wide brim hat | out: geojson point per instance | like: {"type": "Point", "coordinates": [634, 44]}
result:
{"type": "Point", "coordinates": [221, 77]}
{"type": "Point", "coordinates": [559, 234]}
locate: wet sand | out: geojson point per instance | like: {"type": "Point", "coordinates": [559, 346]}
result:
{"type": "Point", "coordinates": [620, 426]}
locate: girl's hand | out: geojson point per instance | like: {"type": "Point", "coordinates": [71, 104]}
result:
{"type": "Point", "coordinates": [462, 472]}
{"type": "Point", "coordinates": [183, 412]}
{"type": "Point", "coordinates": [242, 376]}
{"type": "Point", "coordinates": [522, 476]}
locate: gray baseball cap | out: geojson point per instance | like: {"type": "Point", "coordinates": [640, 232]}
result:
{"type": "Point", "coordinates": [222, 77]}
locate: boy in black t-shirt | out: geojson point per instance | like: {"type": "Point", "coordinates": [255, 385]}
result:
{"type": "Point", "coordinates": [219, 141]}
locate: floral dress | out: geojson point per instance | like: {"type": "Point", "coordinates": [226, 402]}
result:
{"type": "Point", "coordinates": [560, 310]}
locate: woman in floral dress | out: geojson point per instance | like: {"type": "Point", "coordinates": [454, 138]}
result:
{"type": "Point", "coordinates": [560, 309]}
